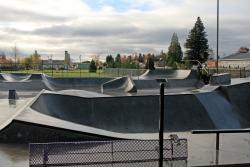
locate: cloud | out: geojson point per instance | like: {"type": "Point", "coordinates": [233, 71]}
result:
{"type": "Point", "coordinates": [123, 26]}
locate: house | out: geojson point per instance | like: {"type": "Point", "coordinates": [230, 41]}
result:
{"type": "Point", "coordinates": [240, 59]}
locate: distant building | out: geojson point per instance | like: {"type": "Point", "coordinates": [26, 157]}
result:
{"type": "Point", "coordinates": [237, 60]}
{"type": "Point", "coordinates": [240, 59]}
{"type": "Point", "coordinates": [67, 58]}
{"type": "Point", "coordinates": [56, 64]}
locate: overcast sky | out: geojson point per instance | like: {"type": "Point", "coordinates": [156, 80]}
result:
{"type": "Point", "coordinates": [90, 27]}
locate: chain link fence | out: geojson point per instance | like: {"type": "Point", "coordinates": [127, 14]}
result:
{"type": "Point", "coordinates": [52, 69]}
{"type": "Point", "coordinates": [118, 72]}
{"type": "Point", "coordinates": [62, 70]}
{"type": "Point", "coordinates": [118, 153]}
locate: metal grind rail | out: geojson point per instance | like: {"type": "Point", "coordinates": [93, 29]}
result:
{"type": "Point", "coordinates": [107, 153]}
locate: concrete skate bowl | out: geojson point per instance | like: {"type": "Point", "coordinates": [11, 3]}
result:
{"type": "Point", "coordinates": [74, 83]}
{"type": "Point", "coordinates": [19, 77]}
{"type": "Point", "coordinates": [22, 82]}
{"type": "Point", "coordinates": [125, 84]}
{"type": "Point", "coordinates": [139, 114]}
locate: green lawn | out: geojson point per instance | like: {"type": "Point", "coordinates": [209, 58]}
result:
{"type": "Point", "coordinates": [64, 73]}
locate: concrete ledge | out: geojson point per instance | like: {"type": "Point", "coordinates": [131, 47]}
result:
{"type": "Point", "coordinates": [220, 79]}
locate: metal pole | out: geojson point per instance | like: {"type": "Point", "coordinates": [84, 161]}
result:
{"type": "Point", "coordinates": [80, 65]}
{"type": "Point", "coordinates": [161, 125]}
{"type": "Point", "coordinates": [217, 46]}
{"type": "Point", "coordinates": [52, 65]}
{"type": "Point", "coordinates": [217, 147]}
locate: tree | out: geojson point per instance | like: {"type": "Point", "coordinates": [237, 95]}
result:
{"type": "Point", "coordinates": [175, 53]}
{"type": "Point", "coordinates": [197, 43]}
{"type": "Point", "coordinates": [118, 61]}
{"type": "Point", "coordinates": [92, 66]}
{"type": "Point", "coordinates": [36, 60]}
{"type": "Point", "coordinates": [140, 58]}
{"type": "Point", "coordinates": [110, 61]}
{"type": "Point", "coordinates": [27, 62]}
{"type": "Point", "coordinates": [150, 63]}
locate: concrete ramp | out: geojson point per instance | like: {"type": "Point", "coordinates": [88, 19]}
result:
{"type": "Point", "coordinates": [125, 84]}
{"type": "Point", "coordinates": [73, 83]}
{"type": "Point", "coordinates": [170, 74]}
{"type": "Point", "coordinates": [134, 114]}
{"type": "Point", "coordinates": [146, 84]}
{"type": "Point", "coordinates": [223, 114]}
{"type": "Point", "coordinates": [15, 77]}
{"type": "Point", "coordinates": [239, 96]}
{"type": "Point", "coordinates": [176, 79]}
{"type": "Point", "coordinates": [139, 114]}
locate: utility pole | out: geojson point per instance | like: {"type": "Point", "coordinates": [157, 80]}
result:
{"type": "Point", "coordinates": [80, 57]}
{"type": "Point", "coordinates": [217, 46]}
{"type": "Point", "coordinates": [15, 55]}
{"type": "Point", "coordinates": [52, 65]}
{"type": "Point", "coordinates": [161, 124]}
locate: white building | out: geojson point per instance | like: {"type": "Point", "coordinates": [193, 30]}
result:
{"type": "Point", "coordinates": [240, 59]}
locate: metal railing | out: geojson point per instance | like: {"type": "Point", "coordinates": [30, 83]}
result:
{"type": "Point", "coordinates": [107, 153]}
{"type": "Point", "coordinates": [218, 132]}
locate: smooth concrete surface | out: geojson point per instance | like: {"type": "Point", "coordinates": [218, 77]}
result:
{"type": "Point", "coordinates": [134, 114]}
{"type": "Point", "coordinates": [168, 73]}
{"type": "Point", "coordinates": [125, 84]}
{"type": "Point", "coordinates": [220, 79]}
{"type": "Point", "coordinates": [176, 79]}
{"type": "Point", "coordinates": [223, 108]}
{"type": "Point", "coordinates": [29, 85]}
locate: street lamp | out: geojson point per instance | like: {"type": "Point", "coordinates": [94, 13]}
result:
{"type": "Point", "coordinates": [217, 45]}
{"type": "Point", "coordinates": [80, 57]}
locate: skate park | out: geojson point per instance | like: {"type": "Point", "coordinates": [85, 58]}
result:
{"type": "Point", "coordinates": [76, 109]}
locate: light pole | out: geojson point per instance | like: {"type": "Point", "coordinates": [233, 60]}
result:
{"type": "Point", "coordinates": [51, 65]}
{"type": "Point", "coordinates": [217, 45]}
{"type": "Point", "coordinates": [161, 124]}
{"type": "Point", "coordinates": [80, 57]}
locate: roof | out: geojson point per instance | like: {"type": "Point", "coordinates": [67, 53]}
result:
{"type": "Point", "coordinates": [238, 55]}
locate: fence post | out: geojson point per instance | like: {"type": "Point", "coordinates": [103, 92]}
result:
{"type": "Point", "coordinates": [217, 147]}
{"type": "Point", "coordinates": [45, 156]}
{"type": "Point", "coordinates": [245, 72]}
{"type": "Point", "coordinates": [161, 125]}
{"type": "Point", "coordinates": [112, 152]}
{"type": "Point", "coordinates": [52, 69]}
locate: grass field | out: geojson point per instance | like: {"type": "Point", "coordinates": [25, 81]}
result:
{"type": "Point", "coordinates": [64, 73]}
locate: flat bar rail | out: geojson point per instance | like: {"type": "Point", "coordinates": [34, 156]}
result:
{"type": "Point", "coordinates": [99, 153]}
{"type": "Point", "coordinates": [218, 132]}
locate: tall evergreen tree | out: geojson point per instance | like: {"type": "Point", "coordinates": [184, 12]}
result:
{"type": "Point", "coordinates": [92, 66]}
{"type": "Point", "coordinates": [197, 43]}
{"type": "Point", "coordinates": [150, 63]}
{"type": "Point", "coordinates": [175, 53]}
{"type": "Point", "coordinates": [118, 61]}
{"type": "Point", "coordinates": [110, 61]}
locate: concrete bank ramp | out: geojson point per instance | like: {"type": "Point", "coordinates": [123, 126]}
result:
{"type": "Point", "coordinates": [15, 77]}
{"type": "Point", "coordinates": [223, 114]}
{"type": "Point", "coordinates": [73, 83]}
{"type": "Point", "coordinates": [134, 114]}
{"type": "Point", "coordinates": [223, 108]}
{"type": "Point", "coordinates": [186, 79]}
{"type": "Point", "coordinates": [169, 73]}
{"type": "Point", "coordinates": [125, 84]}
{"type": "Point", "coordinates": [239, 96]}
{"type": "Point", "coordinates": [22, 82]}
